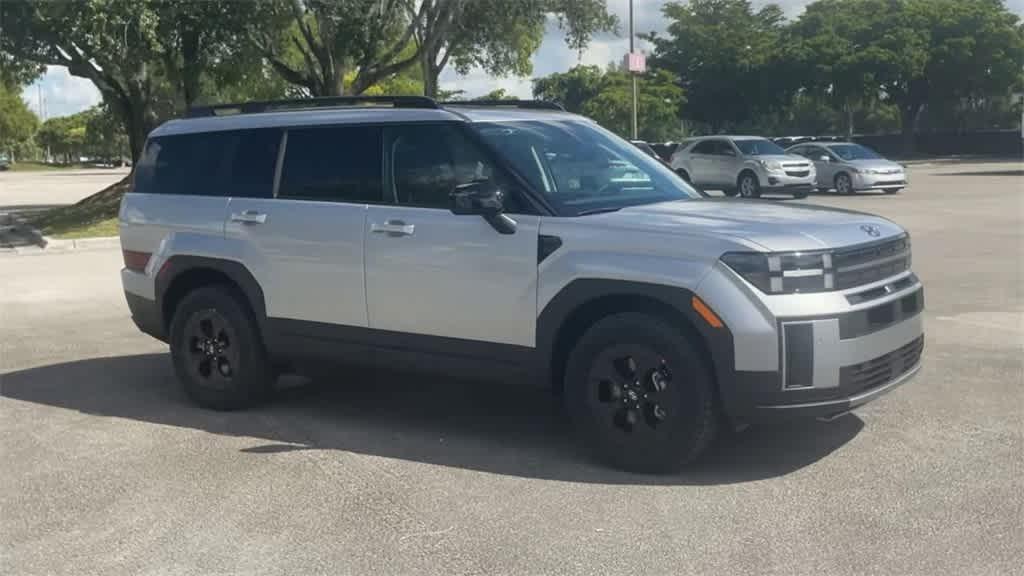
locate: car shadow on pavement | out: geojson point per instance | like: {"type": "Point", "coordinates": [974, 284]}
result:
{"type": "Point", "coordinates": [492, 428]}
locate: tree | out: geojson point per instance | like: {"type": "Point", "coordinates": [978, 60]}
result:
{"type": "Point", "coordinates": [496, 94]}
{"type": "Point", "coordinates": [64, 137]}
{"type": "Point", "coordinates": [727, 58]}
{"type": "Point", "coordinates": [15, 73]}
{"type": "Point", "coordinates": [17, 123]}
{"type": "Point", "coordinates": [607, 97]}
{"type": "Point", "coordinates": [913, 53]}
{"type": "Point", "coordinates": [572, 89]}
{"type": "Point", "coordinates": [146, 57]}
{"type": "Point", "coordinates": [499, 36]}
{"type": "Point", "coordinates": [104, 135]}
{"type": "Point", "coordinates": [315, 44]}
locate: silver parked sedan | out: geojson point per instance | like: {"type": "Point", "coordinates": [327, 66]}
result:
{"type": "Point", "coordinates": [848, 167]}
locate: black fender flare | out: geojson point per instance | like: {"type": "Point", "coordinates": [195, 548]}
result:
{"type": "Point", "coordinates": [583, 292]}
{"type": "Point", "coordinates": [175, 266]}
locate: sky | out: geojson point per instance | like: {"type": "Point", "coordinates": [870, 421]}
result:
{"type": "Point", "coordinates": [62, 94]}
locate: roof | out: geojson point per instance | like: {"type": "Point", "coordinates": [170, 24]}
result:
{"type": "Point", "coordinates": [354, 115]}
{"type": "Point", "coordinates": [725, 136]}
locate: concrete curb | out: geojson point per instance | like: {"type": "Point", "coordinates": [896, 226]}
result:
{"type": "Point", "coordinates": [82, 243]}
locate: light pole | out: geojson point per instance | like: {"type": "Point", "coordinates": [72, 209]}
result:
{"type": "Point", "coordinates": [636, 129]}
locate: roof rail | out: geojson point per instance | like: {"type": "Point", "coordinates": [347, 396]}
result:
{"type": "Point", "coordinates": [533, 104]}
{"type": "Point", "coordinates": [307, 103]}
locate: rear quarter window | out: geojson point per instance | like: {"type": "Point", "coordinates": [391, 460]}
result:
{"type": "Point", "coordinates": [229, 163]}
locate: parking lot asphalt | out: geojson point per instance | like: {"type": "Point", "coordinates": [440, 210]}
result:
{"type": "Point", "coordinates": [107, 469]}
{"type": "Point", "coordinates": [46, 189]}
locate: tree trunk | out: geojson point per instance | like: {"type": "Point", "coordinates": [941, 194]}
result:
{"type": "Point", "coordinates": [908, 124]}
{"type": "Point", "coordinates": [430, 74]}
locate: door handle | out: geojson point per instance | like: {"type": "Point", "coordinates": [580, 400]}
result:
{"type": "Point", "coordinates": [249, 217]}
{"type": "Point", "coordinates": [393, 228]}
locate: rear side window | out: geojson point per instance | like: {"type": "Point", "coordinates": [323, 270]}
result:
{"type": "Point", "coordinates": [253, 163]}
{"type": "Point", "coordinates": [704, 147]}
{"type": "Point", "coordinates": [189, 164]}
{"type": "Point", "coordinates": [340, 163]}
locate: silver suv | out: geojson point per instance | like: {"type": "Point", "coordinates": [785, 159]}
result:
{"type": "Point", "coordinates": [848, 167]}
{"type": "Point", "coordinates": [514, 243]}
{"type": "Point", "coordinates": [747, 165]}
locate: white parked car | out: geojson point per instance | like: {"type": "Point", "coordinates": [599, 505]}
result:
{"type": "Point", "coordinates": [847, 167]}
{"type": "Point", "coordinates": [747, 165]}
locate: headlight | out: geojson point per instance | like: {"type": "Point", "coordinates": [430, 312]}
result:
{"type": "Point", "coordinates": [784, 272]}
{"type": "Point", "coordinates": [771, 165]}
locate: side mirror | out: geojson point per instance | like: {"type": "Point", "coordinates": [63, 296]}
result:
{"type": "Point", "coordinates": [482, 198]}
{"type": "Point", "coordinates": [825, 158]}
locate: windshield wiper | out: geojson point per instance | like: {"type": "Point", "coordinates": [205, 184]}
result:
{"type": "Point", "coordinates": [597, 211]}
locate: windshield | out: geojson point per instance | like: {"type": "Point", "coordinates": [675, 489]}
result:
{"type": "Point", "coordinates": [582, 168]}
{"type": "Point", "coordinates": [854, 152]}
{"type": "Point", "coordinates": [758, 147]}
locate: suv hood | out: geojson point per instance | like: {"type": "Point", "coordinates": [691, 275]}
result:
{"type": "Point", "coordinates": [771, 224]}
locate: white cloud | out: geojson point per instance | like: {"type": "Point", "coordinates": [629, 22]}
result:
{"type": "Point", "coordinates": [62, 94]}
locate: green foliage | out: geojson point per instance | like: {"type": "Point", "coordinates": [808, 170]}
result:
{"type": "Point", "coordinates": [17, 122]}
{"type": "Point", "coordinates": [499, 36]}
{"type": "Point", "coordinates": [316, 44]}
{"type": "Point", "coordinates": [726, 56]}
{"type": "Point", "coordinates": [496, 94]}
{"type": "Point", "coordinates": [104, 135]}
{"type": "Point", "coordinates": [607, 97]}
{"type": "Point", "coordinates": [942, 54]}
{"type": "Point", "coordinates": [15, 72]}
{"type": "Point", "coordinates": [572, 89]}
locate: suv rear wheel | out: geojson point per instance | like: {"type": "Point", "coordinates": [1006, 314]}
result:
{"type": "Point", "coordinates": [639, 394]}
{"type": "Point", "coordinates": [748, 185]}
{"type": "Point", "coordinates": [217, 351]}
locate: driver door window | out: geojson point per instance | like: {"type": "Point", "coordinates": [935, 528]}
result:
{"type": "Point", "coordinates": [429, 161]}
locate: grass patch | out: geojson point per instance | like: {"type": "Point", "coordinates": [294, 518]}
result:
{"type": "Point", "coordinates": [41, 167]}
{"type": "Point", "coordinates": [90, 217]}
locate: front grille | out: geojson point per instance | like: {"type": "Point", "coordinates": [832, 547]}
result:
{"type": "Point", "coordinates": [798, 173]}
{"type": "Point", "coordinates": [858, 378]}
{"type": "Point", "coordinates": [863, 322]}
{"type": "Point", "coordinates": [869, 263]}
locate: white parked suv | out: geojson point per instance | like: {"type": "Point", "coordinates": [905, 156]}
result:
{"type": "Point", "coordinates": [747, 165]}
{"type": "Point", "coordinates": [511, 242]}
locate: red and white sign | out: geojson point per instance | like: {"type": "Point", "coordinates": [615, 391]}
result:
{"type": "Point", "coordinates": [635, 62]}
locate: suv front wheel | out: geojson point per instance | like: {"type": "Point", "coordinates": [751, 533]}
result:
{"type": "Point", "coordinates": [217, 351]}
{"type": "Point", "coordinates": [639, 394]}
{"type": "Point", "coordinates": [748, 185]}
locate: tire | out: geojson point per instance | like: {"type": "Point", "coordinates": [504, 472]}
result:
{"type": "Point", "coordinates": [217, 350]}
{"type": "Point", "coordinates": [799, 195]}
{"type": "Point", "coordinates": [661, 425]}
{"type": "Point", "coordinates": [748, 185]}
{"type": "Point", "coordinates": [730, 192]}
{"type": "Point", "coordinates": [844, 185]}
{"type": "Point", "coordinates": [684, 175]}
{"type": "Point", "coordinates": [892, 190]}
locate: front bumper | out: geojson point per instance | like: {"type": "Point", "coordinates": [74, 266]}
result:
{"type": "Point", "coordinates": [864, 181]}
{"type": "Point", "coordinates": [783, 182]}
{"type": "Point", "coordinates": [814, 355]}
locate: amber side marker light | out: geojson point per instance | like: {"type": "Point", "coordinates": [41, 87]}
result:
{"type": "Point", "coordinates": [706, 313]}
{"type": "Point", "coordinates": [135, 261]}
